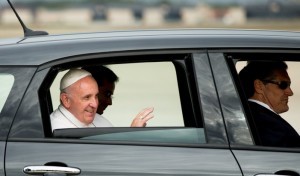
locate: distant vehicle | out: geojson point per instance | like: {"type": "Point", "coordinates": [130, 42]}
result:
{"type": "Point", "coordinates": [261, 8]}
{"type": "Point", "coordinates": [272, 8]}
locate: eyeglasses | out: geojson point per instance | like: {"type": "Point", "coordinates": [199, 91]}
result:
{"type": "Point", "coordinates": [281, 84]}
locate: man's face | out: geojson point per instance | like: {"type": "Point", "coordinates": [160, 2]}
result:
{"type": "Point", "coordinates": [276, 97]}
{"type": "Point", "coordinates": [105, 96]}
{"type": "Point", "coordinates": [82, 99]}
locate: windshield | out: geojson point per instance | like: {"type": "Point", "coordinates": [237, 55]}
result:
{"type": "Point", "coordinates": [74, 16]}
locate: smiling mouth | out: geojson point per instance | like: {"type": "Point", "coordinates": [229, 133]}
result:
{"type": "Point", "coordinates": [90, 111]}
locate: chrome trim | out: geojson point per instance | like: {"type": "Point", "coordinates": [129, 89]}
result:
{"type": "Point", "coordinates": [34, 170]}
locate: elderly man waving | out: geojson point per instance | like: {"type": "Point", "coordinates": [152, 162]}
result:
{"type": "Point", "coordinates": [79, 103]}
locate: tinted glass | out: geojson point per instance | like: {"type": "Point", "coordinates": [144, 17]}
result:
{"type": "Point", "coordinates": [28, 122]}
{"type": "Point", "coordinates": [18, 78]}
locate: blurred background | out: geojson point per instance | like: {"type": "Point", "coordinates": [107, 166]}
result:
{"type": "Point", "coordinates": [65, 16]}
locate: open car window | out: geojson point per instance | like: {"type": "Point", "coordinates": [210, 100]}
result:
{"type": "Point", "coordinates": [162, 85]}
{"type": "Point", "coordinates": [273, 119]}
{"type": "Point", "coordinates": [140, 85]}
{"type": "Point", "coordinates": [292, 115]}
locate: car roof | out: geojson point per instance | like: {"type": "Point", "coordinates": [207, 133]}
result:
{"type": "Point", "coordinates": [43, 49]}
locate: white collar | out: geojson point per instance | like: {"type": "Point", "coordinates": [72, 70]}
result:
{"type": "Point", "coordinates": [262, 104]}
{"type": "Point", "coordinates": [72, 119]}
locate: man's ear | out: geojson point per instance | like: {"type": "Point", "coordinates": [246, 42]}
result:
{"type": "Point", "coordinates": [64, 98]}
{"type": "Point", "coordinates": [258, 86]}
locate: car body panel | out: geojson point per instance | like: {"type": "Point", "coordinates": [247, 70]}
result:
{"type": "Point", "coordinates": [39, 50]}
{"type": "Point", "coordinates": [254, 162]}
{"type": "Point", "coordinates": [6, 42]}
{"type": "Point", "coordinates": [103, 159]}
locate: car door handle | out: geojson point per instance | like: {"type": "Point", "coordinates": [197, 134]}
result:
{"type": "Point", "coordinates": [281, 173]}
{"type": "Point", "coordinates": [34, 170]}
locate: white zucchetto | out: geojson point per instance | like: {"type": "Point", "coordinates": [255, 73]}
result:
{"type": "Point", "coordinates": [72, 76]}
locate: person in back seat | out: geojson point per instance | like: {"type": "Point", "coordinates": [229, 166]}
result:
{"type": "Point", "coordinates": [267, 87]}
{"type": "Point", "coordinates": [106, 80]}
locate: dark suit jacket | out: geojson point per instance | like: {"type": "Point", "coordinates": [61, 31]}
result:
{"type": "Point", "coordinates": [272, 129]}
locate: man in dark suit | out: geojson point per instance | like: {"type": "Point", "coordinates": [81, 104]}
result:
{"type": "Point", "coordinates": [267, 87]}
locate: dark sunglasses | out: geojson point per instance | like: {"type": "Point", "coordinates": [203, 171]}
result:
{"type": "Point", "coordinates": [281, 84]}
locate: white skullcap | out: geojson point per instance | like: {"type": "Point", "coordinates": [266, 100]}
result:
{"type": "Point", "coordinates": [72, 76]}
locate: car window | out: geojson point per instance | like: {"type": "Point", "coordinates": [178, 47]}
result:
{"type": "Point", "coordinates": [8, 79]}
{"type": "Point", "coordinates": [140, 85]}
{"type": "Point", "coordinates": [15, 81]}
{"type": "Point", "coordinates": [270, 102]}
{"type": "Point", "coordinates": [292, 115]}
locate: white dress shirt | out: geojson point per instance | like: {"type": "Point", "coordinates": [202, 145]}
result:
{"type": "Point", "coordinates": [262, 104]}
{"type": "Point", "coordinates": [62, 118]}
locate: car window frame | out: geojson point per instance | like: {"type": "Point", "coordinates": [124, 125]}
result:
{"type": "Point", "coordinates": [180, 60]}
{"type": "Point", "coordinates": [234, 56]}
{"type": "Point", "coordinates": [48, 71]}
{"type": "Point", "coordinates": [45, 75]}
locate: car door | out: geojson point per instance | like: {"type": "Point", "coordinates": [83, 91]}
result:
{"type": "Point", "coordinates": [197, 147]}
{"type": "Point", "coordinates": [252, 158]}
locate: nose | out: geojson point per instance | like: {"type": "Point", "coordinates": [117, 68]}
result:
{"type": "Point", "coordinates": [289, 91]}
{"type": "Point", "coordinates": [94, 102]}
